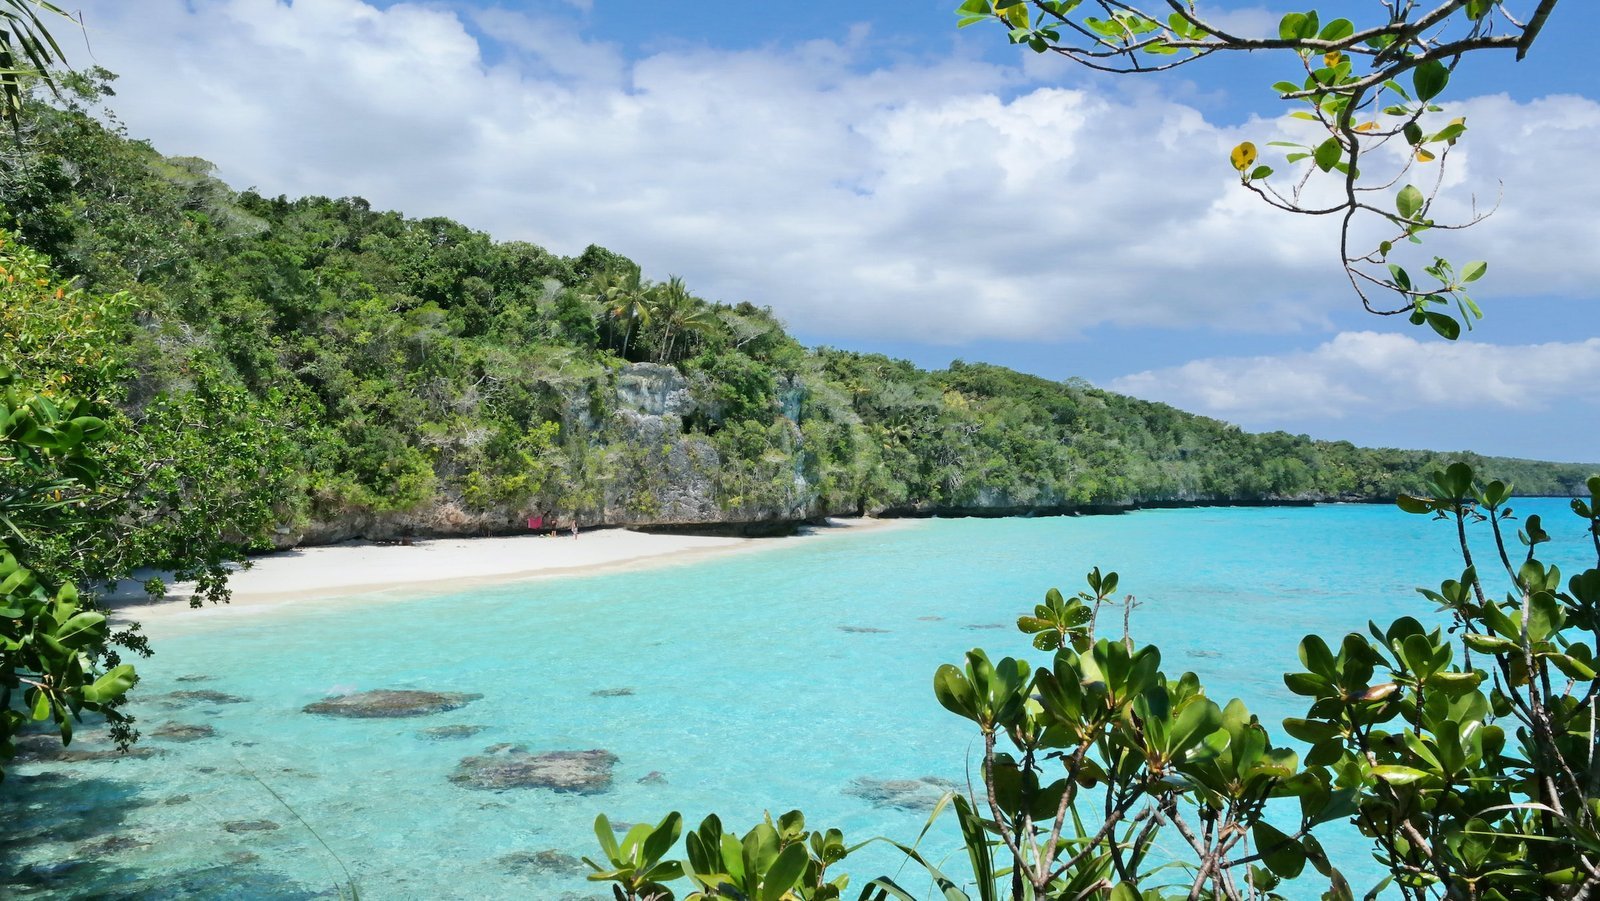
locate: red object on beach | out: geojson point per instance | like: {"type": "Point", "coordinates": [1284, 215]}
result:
{"type": "Point", "coordinates": [535, 522]}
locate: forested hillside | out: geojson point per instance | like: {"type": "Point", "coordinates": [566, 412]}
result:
{"type": "Point", "coordinates": [322, 370]}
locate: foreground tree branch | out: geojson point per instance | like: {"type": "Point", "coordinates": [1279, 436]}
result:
{"type": "Point", "coordinates": [1366, 88]}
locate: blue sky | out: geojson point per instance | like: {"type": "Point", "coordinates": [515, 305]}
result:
{"type": "Point", "coordinates": [914, 29]}
{"type": "Point", "coordinates": [888, 183]}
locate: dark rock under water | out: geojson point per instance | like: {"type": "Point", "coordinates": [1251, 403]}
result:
{"type": "Point", "coordinates": [906, 794]}
{"type": "Point", "coordinates": [507, 766]}
{"type": "Point", "coordinates": [549, 860]}
{"type": "Point", "coordinates": [184, 732]}
{"type": "Point", "coordinates": [239, 826]}
{"type": "Point", "coordinates": [386, 703]}
{"type": "Point", "coordinates": [194, 696]}
{"type": "Point", "coordinates": [41, 875]}
{"type": "Point", "coordinates": [47, 746]}
{"type": "Point", "coordinates": [446, 733]}
{"type": "Point", "coordinates": [240, 877]}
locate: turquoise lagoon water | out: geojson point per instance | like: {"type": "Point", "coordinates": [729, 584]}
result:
{"type": "Point", "coordinates": [755, 686]}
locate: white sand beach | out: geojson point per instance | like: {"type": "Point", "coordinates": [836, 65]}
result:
{"type": "Point", "coordinates": [366, 569]}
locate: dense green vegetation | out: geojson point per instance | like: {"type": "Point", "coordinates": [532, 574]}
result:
{"type": "Point", "coordinates": [97, 481]}
{"type": "Point", "coordinates": [402, 367]}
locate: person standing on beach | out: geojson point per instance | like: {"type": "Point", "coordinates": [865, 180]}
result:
{"type": "Point", "coordinates": [574, 525]}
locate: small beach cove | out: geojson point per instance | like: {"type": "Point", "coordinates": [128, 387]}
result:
{"type": "Point", "coordinates": [371, 571]}
{"type": "Point", "coordinates": [742, 682]}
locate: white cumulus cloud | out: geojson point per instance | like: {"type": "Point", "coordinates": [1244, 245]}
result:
{"type": "Point", "coordinates": [940, 200]}
{"type": "Point", "coordinates": [1372, 374]}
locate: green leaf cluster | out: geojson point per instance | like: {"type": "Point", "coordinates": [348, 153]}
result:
{"type": "Point", "coordinates": [55, 661]}
{"type": "Point", "coordinates": [776, 860]}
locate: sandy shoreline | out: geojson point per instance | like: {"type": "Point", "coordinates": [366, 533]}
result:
{"type": "Point", "coordinates": [363, 569]}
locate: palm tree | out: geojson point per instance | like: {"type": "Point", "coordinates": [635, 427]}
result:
{"type": "Point", "coordinates": [26, 49]}
{"type": "Point", "coordinates": [601, 287]}
{"type": "Point", "coordinates": [680, 313]}
{"type": "Point", "coordinates": [625, 296]}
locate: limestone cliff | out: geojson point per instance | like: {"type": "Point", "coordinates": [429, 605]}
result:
{"type": "Point", "coordinates": [653, 472]}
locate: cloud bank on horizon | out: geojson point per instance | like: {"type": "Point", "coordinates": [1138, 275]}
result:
{"type": "Point", "coordinates": [1357, 371]}
{"type": "Point", "coordinates": [941, 200]}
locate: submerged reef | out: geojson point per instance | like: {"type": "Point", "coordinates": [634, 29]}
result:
{"type": "Point", "coordinates": [386, 703]}
{"type": "Point", "coordinates": [907, 794]}
{"type": "Point", "coordinates": [507, 766]}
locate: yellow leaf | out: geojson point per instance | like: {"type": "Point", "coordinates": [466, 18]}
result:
{"type": "Point", "coordinates": [1243, 156]}
{"type": "Point", "coordinates": [1332, 58]}
{"type": "Point", "coordinates": [1424, 156]}
{"type": "Point", "coordinates": [1366, 126]}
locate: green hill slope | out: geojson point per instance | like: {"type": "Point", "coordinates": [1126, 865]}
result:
{"type": "Point", "coordinates": [422, 378]}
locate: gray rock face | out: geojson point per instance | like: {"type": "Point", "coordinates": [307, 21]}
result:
{"type": "Point", "coordinates": [1024, 496]}
{"type": "Point", "coordinates": [663, 475]}
{"type": "Point", "coordinates": [110, 845]}
{"type": "Point", "coordinates": [654, 390]}
{"type": "Point", "coordinates": [506, 766]}
{"type": "Point", "coordinates": [791, 397]}
{"type": "Point", "coordinates": [906, 794]}
{"type": "Point", "coordinates": [388, 703]}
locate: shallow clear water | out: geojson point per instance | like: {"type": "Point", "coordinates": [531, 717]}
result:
{"type": "Point", "coordinates": [747, 695]}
